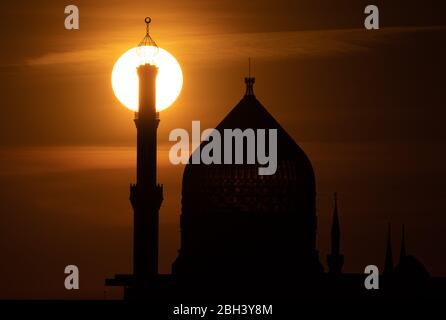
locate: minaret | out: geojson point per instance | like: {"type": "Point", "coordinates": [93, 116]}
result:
{"type": "Point", "coordinates": [146, 195]}
{"type": "Point", "coordinates": [403, 246]}
{"type": "Point", "coordinates": [335, 259]}
{"type": "Point", "coordinates": [388, 266]}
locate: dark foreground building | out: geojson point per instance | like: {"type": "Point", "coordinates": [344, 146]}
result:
{"type": "Point", "coordinates": [249, 235]}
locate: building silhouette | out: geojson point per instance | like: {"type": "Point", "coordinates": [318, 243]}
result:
{"type": "Point", "coordinates": [252, 224]}
{"type": "Point", "coordinates": [244, 234]}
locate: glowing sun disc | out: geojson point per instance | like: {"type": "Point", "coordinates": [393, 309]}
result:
{"type": "Point", "coordinates": [126, 85]}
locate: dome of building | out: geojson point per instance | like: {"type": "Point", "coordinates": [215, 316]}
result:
{"type": "Point", "coordinates": [236, 221]}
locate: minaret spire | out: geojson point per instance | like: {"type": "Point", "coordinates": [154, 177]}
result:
{"type": "Point", "coordinates": [335, 259]}
{"type": "Point", "coordinates": [335, 229]}
{"type": "Point", "coordinates": [388, 266]}
{"type": "Point", "coordinates": [146, 195]}
{"type": "Point", "coordinates": [147, 49]}
{"type": "Point", "coordinates": [403, 245]}
{"type": "Point", "coordinates": [249, 81]}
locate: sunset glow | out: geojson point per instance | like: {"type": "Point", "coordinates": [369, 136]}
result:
{"type": "Point", "coordinates": [125, 79]}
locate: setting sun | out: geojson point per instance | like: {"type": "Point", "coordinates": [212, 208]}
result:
{"type": "Point", "coordinates": [125, 79]}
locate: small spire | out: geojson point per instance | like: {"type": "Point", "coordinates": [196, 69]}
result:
{"type": "Point", "coordinates": [388, 266]}
{"type": "Point", "coordinates": [403, 245]}
{"type": "Point", "coordinates": [249, 81]}
{"type": "Point", "coordinates": [335, 228]}
{"type": "Point", "coordinates": [335, 259]}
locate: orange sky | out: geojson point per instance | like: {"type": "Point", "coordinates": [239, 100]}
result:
{"type": "Point", "coordinates": [367, 107]}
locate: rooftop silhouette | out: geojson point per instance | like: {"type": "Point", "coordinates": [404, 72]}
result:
{"type": "Point", "coordinates": [245, 234]}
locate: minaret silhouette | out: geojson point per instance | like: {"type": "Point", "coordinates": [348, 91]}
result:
{"type": "Point", "coordinates": [335, 259]}
{"type": "Point", "coordinates": [146, 196]}
{"type": "Point", "coordinates": [388, 265]}
{"type": "Point", "coordinates": [403, 245]}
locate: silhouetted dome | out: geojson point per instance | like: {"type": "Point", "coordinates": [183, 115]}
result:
{"type": "Point", "coordinates": [240, 187]}
{"type": "Point", "coordinates": [235, 220]}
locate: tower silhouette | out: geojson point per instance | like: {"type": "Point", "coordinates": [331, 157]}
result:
{"type": "Point", "coordinates": [146, 195]}
{"type": "Point", "coordinates": [335, 259]}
